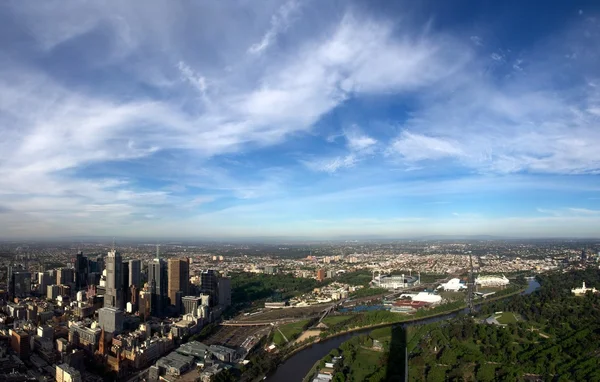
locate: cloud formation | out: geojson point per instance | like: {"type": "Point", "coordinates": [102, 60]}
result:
{"type": "Point", "coordinates": [113, 121]}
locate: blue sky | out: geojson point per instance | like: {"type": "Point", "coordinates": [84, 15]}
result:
{"type": "Point", "coordinates": [299, 118]}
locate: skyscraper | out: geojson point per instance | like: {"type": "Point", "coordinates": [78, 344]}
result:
{"type": "Point", "coordinates": [135, 273]}
{"type": "Point", "coordinates": [19, 283]}
{"type": "Point", "coordinates": [224, 291]}
{"type": "Point", "coordinates": [44, 279]}
{"type": "Point", "coordinates": [179, 279]}
{"type": "Point", "coordinates": [114, 296]}
{"type": "Point", "coordinates": [158, 281]}
{"type": "Point", "coordinates": [125, 283]}
{"type": "Point", "coordinates": [209, 284]}
{"type": "Point", "coordinates": [81, 269]}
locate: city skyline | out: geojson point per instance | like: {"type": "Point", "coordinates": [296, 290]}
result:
{"type": "Point", "coordinates": [299, 119]}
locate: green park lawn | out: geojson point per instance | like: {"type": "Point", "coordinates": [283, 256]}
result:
{"type": "Point", "coordinates": [291, 331]}
{"type": "Point", "coordinates": [506, 318]}
{"type": "Point", "coordinates": [367, 362]}
{"type": "Point", "coordinates": [332, 320]}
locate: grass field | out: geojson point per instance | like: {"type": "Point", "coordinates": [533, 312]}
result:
{"type": "Point", "coordinates": [506, 318]}
{"type": "Point", "coordinates": [452, 296]}
{"type": "Point", "coordinates": [291, 331]}
{"type": "Point", "coordinates": [381, 333]}
{"type": "Point", "coordinates": [366, 363]}
{"type": "Point", "coordinates": [332, 320]}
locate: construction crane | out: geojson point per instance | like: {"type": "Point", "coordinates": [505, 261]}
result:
{"type": "Point", "coordinates": [470, 286]}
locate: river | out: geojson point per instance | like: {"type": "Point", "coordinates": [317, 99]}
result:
{"type": "Point", "coordinates": [297, 366]}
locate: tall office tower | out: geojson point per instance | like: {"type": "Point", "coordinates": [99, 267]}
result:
{"type": "Point", "coordinates": [145, 302]}
{"type": "Point", "coordinates": [135, 273]}
{"type": "Point", "coordinates": [191, 304]}
{"type": "Point", "coordinates": [44, 279]}
{"type": "Point", "coordinates": [9, 286]}
{"type": "Point", "coordinates": [19, 283]}
{"type": "Point", "coordinates": [65, 276]}
{"type": "Point", "coordinates": [583, 255]}
{"type": "Point", "coordinates": [125, 282]}
{"type": "Point", "coordinates": [110, 320]}
{"type": "Point", "coordinates": [81, 269]}
{"type": "Point", "coordinates": [66, 373]}
{"type": "Point", "coordinates": [114, 296]}
{"type": "Point", "coordinates": [19, 342]}
{"type": "Point", "coordinates": [179, 279]}
{"type": "Point", "coordinates": [133, 293]}
{"type": "Point", "coordinates": [224, 291]}
{"type": "Point", "coordinates": [209, 284]}
{"type": "Point", "coordinates": [158, 281]}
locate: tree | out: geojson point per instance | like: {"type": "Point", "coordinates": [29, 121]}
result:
{"type": "Point", "coordinates": [436, 374]}
{"type": "Point", "coordinates": [486, 372]}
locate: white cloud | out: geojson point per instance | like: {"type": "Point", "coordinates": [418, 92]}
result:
{"type": "Point", "coordinates": [280, 22]}
{"type": "Point", "coordinates": [197, 81]}
{"type": "Point", "coordinates": [358, 145]}
{"type": "Point", "coordinates": [358, 141]}
{"type": "Point", "coordinates": [570, 212]}
{"type": "Point", "coordinates": [477, 40]}
{"type": "Point", "coordinates": [416, 147]}
{"type": "Point", "coordinates": [497, 56]}
{"type": "Point", "coordinates": [333, 164]}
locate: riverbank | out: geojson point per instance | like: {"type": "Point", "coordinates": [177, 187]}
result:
{"type": "Point", "coordinates": [295, 360]}
{"type": "Point", "coordinates": [412, 320]}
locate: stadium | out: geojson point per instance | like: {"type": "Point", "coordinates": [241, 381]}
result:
{"type": "Point", "coordinates": [491, 281]}
{"type": "Point", "coordinates": [394, 282]}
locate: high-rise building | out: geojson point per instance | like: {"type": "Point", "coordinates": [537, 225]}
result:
{"type": "Point", "coordinates": [158, 282]}
{"type": "Point", "coordinates": [224, 291]}
{"type": "Point", "coordinates": [114, 296]}
{"type": "Point", "coordinates": [125, 282]}
{"type": "Point", "coordinates": [44, 279]}
{"type": "Point", "coordinates": [66, 373]}
{"type": "Point", "coordinates": [191, 304]}
{"type": "Point", "coordinates": [19, 341]}
{"type": "Point", "coordinates": [52, 292]}
{"type": "Point", "coordinates": [320, 275]}
{"type": "Point", "coordinates": [145, 302]}
{"type": "Point", "coordinates": [81, 269]}
{"type": "Point", "coordinates": [209, 284]}
{"type": "Point", "coordinates": [135, 273]}
{"type": "Point", "coordinates": [65, 276]}
{"type": "Point", "coordinates": [110, 320]}
{"type": "Point", "coordinates": [583, 256]}
{"type": "Point", "coordinates": [19, 283]}
{"type": "Point", "coordinates": [179, 279]}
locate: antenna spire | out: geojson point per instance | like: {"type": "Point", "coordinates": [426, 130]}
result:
{"type": "Point", "coordinates": [157, 251]}
{"type": "Point", "coordinates": [113, 244]}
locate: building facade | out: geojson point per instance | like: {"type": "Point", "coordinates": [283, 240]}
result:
{"type": "Point", "coordinates": [178, 279]}
{"type": "Point", "coordinates": [135, 273]}
{"type": "Point", "coordinates": [114, 296]}
{"type": "Point", "coordinates": [158, 282]}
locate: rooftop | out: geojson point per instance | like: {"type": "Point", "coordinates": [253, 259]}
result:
{"type": "Point", "coordinates": [175, 360]}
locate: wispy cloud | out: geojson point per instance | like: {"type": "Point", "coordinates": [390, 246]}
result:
{"type": "Point", "coordinates": [280, 21]}
{"type": "Point", "coordinates": [109, 119]}
{"type": "Point", "coordinates": [416, 147]}
{"type": "Point", "coordinates": [358, 146]}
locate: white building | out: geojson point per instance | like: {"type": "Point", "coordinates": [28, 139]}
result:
{"type": "Point", "coordinates": [429, 297]}
{"type": "Point", "coordinates": [453, 285]}
{"type": "Point", "coordinates": [394, 282]}
{"type": "Point", "coordinates": [65, 373]}
{"type": "Point", "coordinates": [583, 290]}
{"type": "Point", "coordinates": [491, 281]}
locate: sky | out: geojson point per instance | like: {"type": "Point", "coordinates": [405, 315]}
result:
{"type": "Point", "coordinates": [320, 119]}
